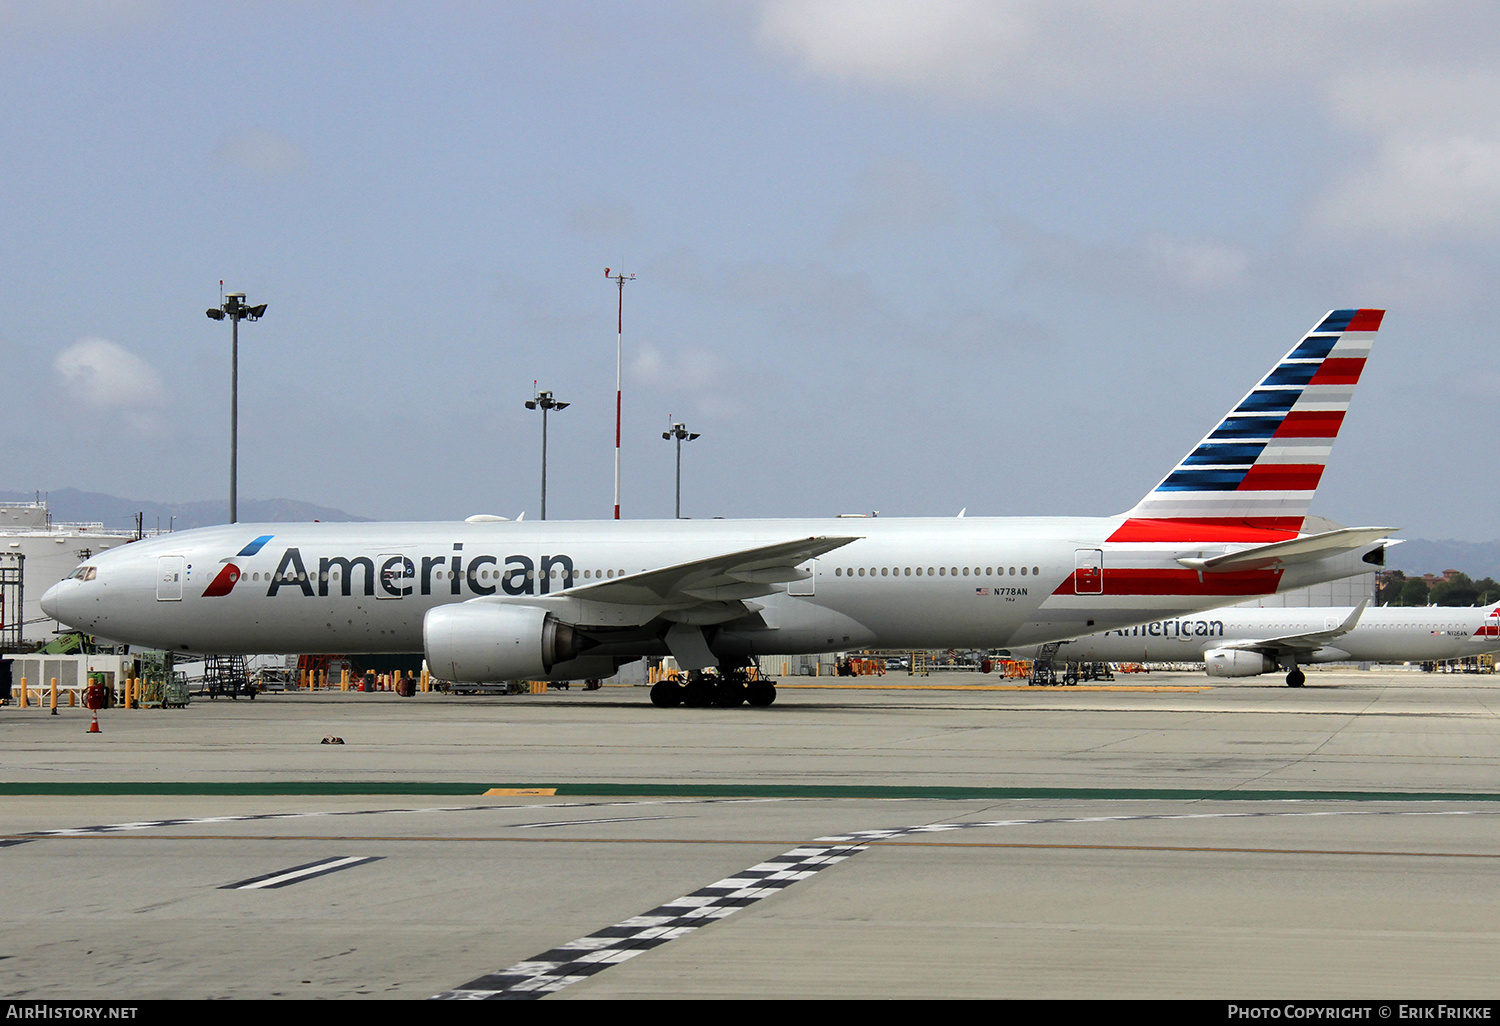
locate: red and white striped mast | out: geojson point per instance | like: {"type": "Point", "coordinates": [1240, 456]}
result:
{"type": "Point", "coordinates": [620, 280]}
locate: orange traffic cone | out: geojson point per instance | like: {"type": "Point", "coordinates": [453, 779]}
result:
{"type": "Point", "coordinates": [94, 724]}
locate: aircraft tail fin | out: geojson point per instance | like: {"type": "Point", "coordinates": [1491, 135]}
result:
{"type": "Point", "coordinates": [1256, 472]}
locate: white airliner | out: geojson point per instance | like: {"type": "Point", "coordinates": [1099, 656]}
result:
{"type": "Point", "coordinates": [1244, 642]}
{"type": "Point", "coordinates": [492, 600]}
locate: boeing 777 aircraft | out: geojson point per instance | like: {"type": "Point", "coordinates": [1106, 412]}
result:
{"type": "Point", "coordinates": [1244, 642]}
{"type": "Point", "coordinates": [491, 600]}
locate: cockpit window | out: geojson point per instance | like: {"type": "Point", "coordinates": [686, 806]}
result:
{"type": "Point", "coordinates": [83, 573]}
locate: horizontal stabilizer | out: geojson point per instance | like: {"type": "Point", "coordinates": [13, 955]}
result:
{"type": "Point", "coordinates": [1305, 549]}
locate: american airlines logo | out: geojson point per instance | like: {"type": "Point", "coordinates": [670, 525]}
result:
{"type": "Point", "coordinates": [394, 575]}
{"type": "Point", "coordinates": [224, 583]}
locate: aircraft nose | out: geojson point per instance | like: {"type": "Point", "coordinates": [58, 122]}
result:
{"type": "Point", "coordinates": [55, 600]}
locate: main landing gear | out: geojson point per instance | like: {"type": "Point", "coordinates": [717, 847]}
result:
{"type": "Point", "coordinates": [1296, 678]}
{"type": "Point", "coordinates": [730, 687]}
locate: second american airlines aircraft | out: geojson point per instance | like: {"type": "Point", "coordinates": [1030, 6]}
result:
{"type": "Point", "coordinates": [1246, 642]}
{"type": "Point", "coordinates": [561, 600]}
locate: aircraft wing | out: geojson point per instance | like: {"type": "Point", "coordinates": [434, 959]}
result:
{"type": "Point", "coordinates": [1309, 642]}
{"type": "Point", "coordinates": [702, 591]}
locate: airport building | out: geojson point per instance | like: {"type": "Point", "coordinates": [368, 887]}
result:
{"type": "Point", "coordinates": [36, 553]}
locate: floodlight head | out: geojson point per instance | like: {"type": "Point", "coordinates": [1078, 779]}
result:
{"type": "Point", "coordinates": [561, 406]}
{"type": "Point", "coordinates": [255, 313]}
{"type": "Point", "coordinates": [216, 314]}
{"type": "Point", "coordinates": [531, 404]}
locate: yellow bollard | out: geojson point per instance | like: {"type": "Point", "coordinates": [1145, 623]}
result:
{"type": "Point", "coordinates": [54, 696]}
{"type": "Point", "coordinates": [23, 693]}
{"type": "Point", "coordinates": [344, 679]}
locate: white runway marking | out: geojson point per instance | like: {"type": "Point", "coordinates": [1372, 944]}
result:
{"type": "Point", "coordinates": [286, 877]}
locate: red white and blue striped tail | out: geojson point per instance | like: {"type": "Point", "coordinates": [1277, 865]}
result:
{"type": "Point", "coordinates": [1255, 473]}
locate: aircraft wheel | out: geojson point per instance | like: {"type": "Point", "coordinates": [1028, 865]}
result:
{"type": "Point", "coordinates": [666, 693]}
{"type": "Point", "coordinates": [729, 693]}
{"type": "Point", "coordinates": [760, 693]}
{"type": "Point", "coordinates": [1296, 679]}
{"type": "Point", "coordinates": [698, 692]}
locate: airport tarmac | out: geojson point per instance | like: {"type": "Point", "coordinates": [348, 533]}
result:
{"type": "Point", "coordinates": [1171, 836]}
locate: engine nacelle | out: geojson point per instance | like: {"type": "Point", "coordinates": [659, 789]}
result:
{"type": "Point", "coordinates": [481, 642]}
{"type": "Point", "coordinates": [1237, 662]}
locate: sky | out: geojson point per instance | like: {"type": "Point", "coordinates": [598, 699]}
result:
{"type": "Point", "coordinates": [1012, 257]}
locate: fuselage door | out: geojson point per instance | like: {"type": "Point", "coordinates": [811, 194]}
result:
{"type": "Point", "coordinates": [1088, 572]}
{"type": "Point", "coordinates": [807, 586]}
{"type": "Point", "coordinates": [396, 575]}
{"type": "Point", "coordinates": [169, 571]}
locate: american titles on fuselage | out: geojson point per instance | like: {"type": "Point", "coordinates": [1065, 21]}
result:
{"type": "Point", "coordinates": [396, 573]}
{"type": "Point", "coordinates": [1173, 629]}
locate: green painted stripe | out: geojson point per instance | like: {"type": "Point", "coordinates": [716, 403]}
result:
{"type": "Point", "coordinates": [646, 790]}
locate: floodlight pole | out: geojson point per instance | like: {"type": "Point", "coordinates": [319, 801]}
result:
{"type": "Point", "coordinates": [236, 309]}
{"type": "Point", "coordinates": [620, 280]}
{"type": "Point", "coordinates": [543, 401]}
{"type": "Point", "coordinates": [682, 434]}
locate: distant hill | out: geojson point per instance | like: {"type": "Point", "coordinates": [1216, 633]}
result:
{"type": "Point", "coordinates": [1420, 556]}
{"type": "Point", "coordinates": [115, 513]}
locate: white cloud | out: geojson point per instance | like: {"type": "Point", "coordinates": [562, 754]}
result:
{"type": "Point", "coordinates": [260, 152]}
{"type": "Point", "coordinates": [695, 376]}
{"type": "Point", "coordinates": [107, 379]}
{"type": "Point", "coordinates": [1416, 78]}
{"type": "Point", "coordinates": [1436, 166]}
{"type": "Point", "coordinates": [1033, 53]}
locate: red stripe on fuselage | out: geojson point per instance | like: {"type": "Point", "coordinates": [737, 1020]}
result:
{"type": "Point", "coordinates": [1311, 424]}
{"type": "Point", "coordinates": [1138, 581]}
{"type": "Point", "coordinates": [1343, 370]}
{"type": "Point", "coordinates": [1282, 477]}
{"type": "Point", "coordinates": [1261, 530]}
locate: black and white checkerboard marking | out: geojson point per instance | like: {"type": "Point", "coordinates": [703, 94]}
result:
{"type": "Point", "coordinates": [578, 960]}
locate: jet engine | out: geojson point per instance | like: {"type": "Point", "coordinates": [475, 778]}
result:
{"type": "Point", "coordinates": [486, 641]}
{"type": "Point", "coordinates": [1237, 662]}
